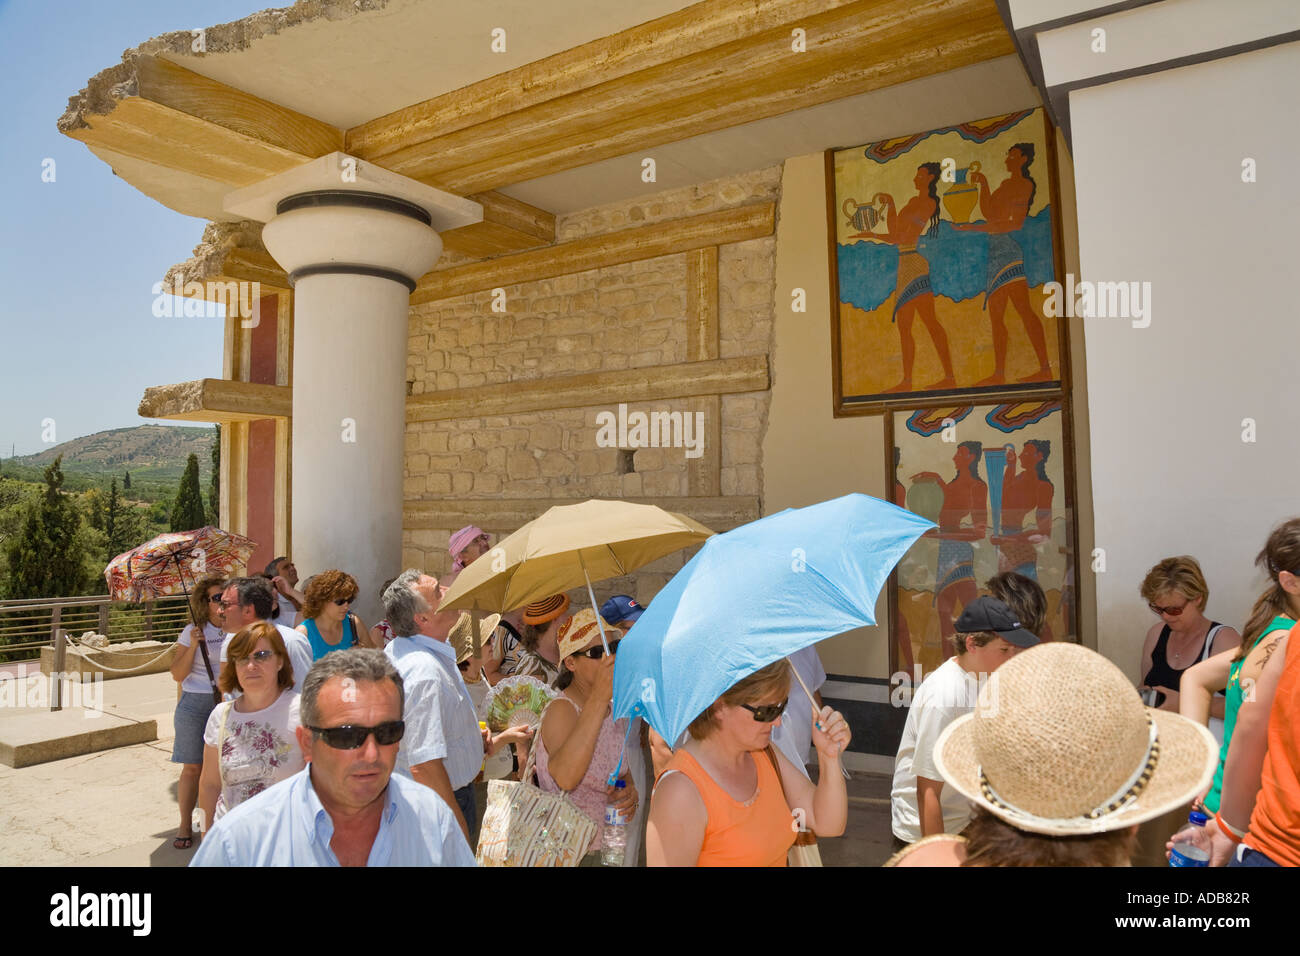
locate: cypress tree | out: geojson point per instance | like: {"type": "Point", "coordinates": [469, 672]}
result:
{"type": "Point", "coordinates": [44, 560]}
{"type": "Point", "coordinates": [126, 482]}
{"type": "Point", "coordinates": [113, 525]}
{"type": "Point", "coordinates": [214, 485]}
{"type": "Point", "coordinates": [187, 513]}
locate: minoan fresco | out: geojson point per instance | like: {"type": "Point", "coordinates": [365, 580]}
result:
{"type": "Point", "coordinates": [944, 245]}
{"type": "Point", "coordinates": [992, 477]}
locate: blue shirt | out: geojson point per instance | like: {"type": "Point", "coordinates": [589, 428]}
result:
{"type": "Point", "coordinates": [441, 720]}
{"type": "Point", "coordinates": [286, 825]}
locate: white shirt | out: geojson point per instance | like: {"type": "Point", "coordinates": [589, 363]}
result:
{"type": "Point", "coordinates": [197, 680]}
{"type": "Point", "coordinates": [441, 723]}
{"type": "Point", "coordinates": [256, 750]}
{"type": "Point", "coordinates": [287, 611]}
{"type": "Point", "coordinates": [797, 720]}
{"type": "Point", "coordinates": [948, 693]}
{"type": "Point", "coordinates": [299, 648]}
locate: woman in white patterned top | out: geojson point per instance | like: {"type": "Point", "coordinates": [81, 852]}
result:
{"type": "Point", "coordinates": [250, 742]}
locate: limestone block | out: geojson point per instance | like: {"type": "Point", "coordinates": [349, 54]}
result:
{"type": "Point", "coordinates": [521, 464]}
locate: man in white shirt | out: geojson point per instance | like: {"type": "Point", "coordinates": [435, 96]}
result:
{"type": "Point", "coordinates": [988, 635]}
{"type": "Point", "coordinates": [347, 808]}
{"type": "Point", "coordinates": [443, 746]}
{"type": "Point", "coordinates": [284, 578]}
{"type": "Point", "coordinates": [247, 600]}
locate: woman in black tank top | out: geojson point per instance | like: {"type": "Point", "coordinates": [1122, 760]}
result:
{"type": "Point", "coordinates": [1175, 590]}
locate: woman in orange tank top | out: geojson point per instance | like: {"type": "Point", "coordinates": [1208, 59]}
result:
{"type": "Point", "coordinates": [719, 802]}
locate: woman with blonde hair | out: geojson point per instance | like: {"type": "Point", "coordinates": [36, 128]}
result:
{"type": "Point", "coordinates": [728, 798]}
{"type": "Point", "coordinates": [250, 742]}
{"type": "Point", "coordinates": [1176, 591]}
{"type": "Point", "coordinates": [327, 620]}
{"type": "Point", "coordinates": [194, 665]}
{"type": "Point", "coordinates": [1236, 672]}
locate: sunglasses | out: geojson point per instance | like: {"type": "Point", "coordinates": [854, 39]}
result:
{"type": "Point", "coordinates": [350, 737]}
{"type": "Point", "coordinates": [214, 598]}
{"type": "Point", "coordinates": [1171, 611]}
{"type": "Point", "coordinates": [342, 601]}
{"type": "Point", "coordinates": [260, 656]}
{"type": "Point", "coordinates": [597, 652]}
{"type": "Point", "coordinates": [766, 713]}
{"type": "Point", "coordinates": [462, 666]}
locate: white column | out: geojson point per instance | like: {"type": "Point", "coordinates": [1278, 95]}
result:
{"type": "Point", "coordinates": [353, 248]}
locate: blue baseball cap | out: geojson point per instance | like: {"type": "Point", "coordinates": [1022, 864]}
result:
{"type": "Point", "coordinates": [620, 608]}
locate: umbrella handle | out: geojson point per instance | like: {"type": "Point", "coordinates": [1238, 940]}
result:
{"type": "Point", "coordinates": [592, 595]}
{"type": "Point", "coordinates": [631, 721]}
{"type": "Point", "coordinates": [817, 717]}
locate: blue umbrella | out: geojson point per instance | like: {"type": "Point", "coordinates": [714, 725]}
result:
{"type": "Point", "coordinates": [754, 595]}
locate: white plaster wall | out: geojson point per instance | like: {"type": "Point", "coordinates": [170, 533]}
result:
{"type": "Point", "coordinates": [1158, 164]}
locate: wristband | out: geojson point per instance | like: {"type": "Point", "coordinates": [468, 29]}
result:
{"type": "Point", "coordinates": [1231, 832]}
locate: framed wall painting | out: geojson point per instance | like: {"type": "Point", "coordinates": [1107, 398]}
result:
{"type": "Point", "coordinates": [942, 244]}
{"type": "Point", "coordinates": [997, 480]}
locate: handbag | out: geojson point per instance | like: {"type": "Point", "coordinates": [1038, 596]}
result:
{"type": "Point", "coordinates": [805, 851]}
{"type": "Point", "coordinates": [524, 825]}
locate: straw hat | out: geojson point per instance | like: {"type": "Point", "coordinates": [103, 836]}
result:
{"type": "Point", "coordinates": [461, 635]}
{"type": "Point", "coordinates": [1060, 743]}
{"type": "Point", "coordinates": [580, 630]}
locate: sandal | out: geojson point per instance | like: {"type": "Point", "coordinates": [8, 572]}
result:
{"type": "Point", "coordinates": [183, 842]}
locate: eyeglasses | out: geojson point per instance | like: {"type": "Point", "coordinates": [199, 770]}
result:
{"type": "Point", "coordinates": [227, 605]}
{"type": "Point", "coordinates": [766, 713]}
{"type": "Point", "coordinates": [350, 736]}
{"type": "Point", "coordinates": [1171, 611]}
{"type": "Point", "coordinates": [260, 656]}
{"type": "Point", "coordinates": [597, 652]}
{"type": "Point", "coordinates": [342, 601]}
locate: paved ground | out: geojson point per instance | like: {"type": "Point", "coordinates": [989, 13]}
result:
{"type": "Point", "coordinates": [118, 807]}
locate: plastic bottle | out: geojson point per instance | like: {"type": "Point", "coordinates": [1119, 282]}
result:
{"type": "Point", "coordinates": [1194, 849]}
{"type": "Point", "coordinates": [613, 842]}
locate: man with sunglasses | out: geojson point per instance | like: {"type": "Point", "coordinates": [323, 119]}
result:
{"type": "Point", "coordinates": [347, 808]}
{"type": "Point", "coordinates": [443, 747]}
{"type": "Point", "coordinates": [247, 600]}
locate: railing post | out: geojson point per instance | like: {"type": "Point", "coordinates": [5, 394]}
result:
{"type": "Point", "coordinates": [56, 678]}
{"type": "Point", "coordinates": [103, 619]}
{"type": "Point", "coordinates": [56, 618]}
{"type": "Point", "coordinates": [148, 621]}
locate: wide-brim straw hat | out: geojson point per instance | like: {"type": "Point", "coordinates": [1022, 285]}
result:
{"type": "Point", "coordinates": [1060, 743]}
{"type": "Point", "coordinates": [461, 635]}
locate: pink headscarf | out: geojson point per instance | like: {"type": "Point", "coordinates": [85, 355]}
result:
{"type": "Point", "coordinates": [459, 542]}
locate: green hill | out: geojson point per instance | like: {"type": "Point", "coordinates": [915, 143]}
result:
{"type": "Point", "coordinates": [155, 456]}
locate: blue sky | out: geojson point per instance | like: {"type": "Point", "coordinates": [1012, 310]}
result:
{"type": "Point", "coordinates": [79, 256]}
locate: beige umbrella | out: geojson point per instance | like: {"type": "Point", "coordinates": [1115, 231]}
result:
{"type": "Point", "coordinates": [568, 546]}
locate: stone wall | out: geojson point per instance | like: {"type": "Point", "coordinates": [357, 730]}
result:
{"type": "Point", "coordinates": [627, 316]}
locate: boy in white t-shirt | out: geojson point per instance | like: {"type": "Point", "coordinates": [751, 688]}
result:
{"type": "Point", "coordinates": [988, 634]}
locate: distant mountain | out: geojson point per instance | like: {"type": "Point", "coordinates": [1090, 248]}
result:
{"type": "Point", "coordinates": [151, 453]}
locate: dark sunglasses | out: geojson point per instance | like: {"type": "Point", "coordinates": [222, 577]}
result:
{"type": "Point", "coordinates": [1171, 611]}
{"type": "Point", "coordinates": [214, 598]}
{"type": "Point", "coordinates": [350, 737]}
{"type": "Point", "coordinates": [260, 656]}
{"type": "Point", "coordinates": [462, 666]}
{"type": "Point", "coordinates": [342, 601]}
{"type": "Point", "coordinates": [766, 713]}
{"type": "Point", "coordinates": [597, 652]}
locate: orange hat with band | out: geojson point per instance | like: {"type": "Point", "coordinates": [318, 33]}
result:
{"type": "Point", "coordinates": [546, 610]}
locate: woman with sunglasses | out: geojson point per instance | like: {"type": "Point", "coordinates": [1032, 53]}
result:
{"type": "Point", "coordinates": [326, 618]}
{"type": "Point", "coordinates": [1176, 591]}
{"type": "Point", "coordinates": [197, 674]}
{"type": "Point", "coordinates": [722, 801]}
{"type": "Point", "coordinates": [250, 742]}
{"type": "Point", "coordinates": [580, 743]}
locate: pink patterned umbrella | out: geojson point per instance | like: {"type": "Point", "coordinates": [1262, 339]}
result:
{"type": "Point", "coordinates": [170, 563]}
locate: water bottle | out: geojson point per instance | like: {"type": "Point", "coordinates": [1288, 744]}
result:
{"type": "Point", "coordinates": [613, 842]}
{"type": "Point", "coordinates": [1192, 850]}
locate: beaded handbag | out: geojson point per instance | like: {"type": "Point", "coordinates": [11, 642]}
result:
{"type": "Point", "coordinates": [524, 825]}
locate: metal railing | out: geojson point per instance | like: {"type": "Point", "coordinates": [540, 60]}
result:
{"type": "Point", "coordinates": [27, 625]}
